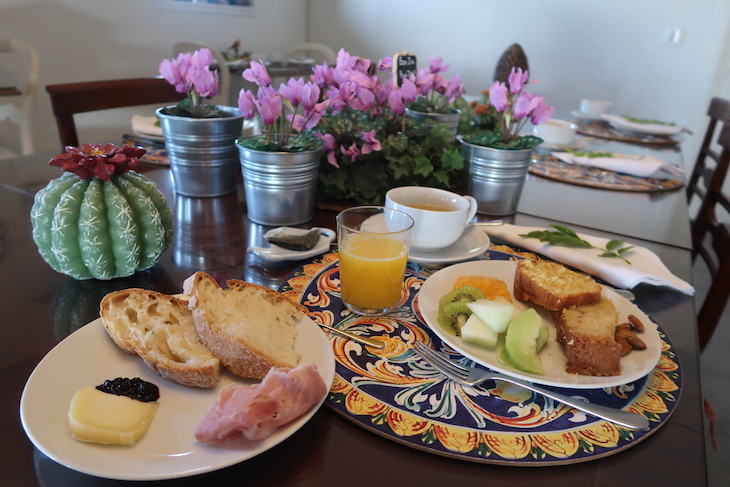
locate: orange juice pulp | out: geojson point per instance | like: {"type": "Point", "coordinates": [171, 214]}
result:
{"type": "Point", "coordinates": [372, 270]}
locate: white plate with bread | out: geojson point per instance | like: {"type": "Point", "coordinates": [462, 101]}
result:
{"type": "Point", "coordinates": [169, 448]}
{"type": "Point", "coordinates": [633, 366]}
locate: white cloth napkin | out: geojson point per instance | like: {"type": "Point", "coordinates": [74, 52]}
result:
{"type": "Point", "coordinates": [642, 166]}
{"type": "Point", "coordinates": [645, 265]}
{"type": "Point", "coordinates": [146, 125]}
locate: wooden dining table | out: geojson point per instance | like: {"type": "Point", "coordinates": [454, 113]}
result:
{"type": "Point", "coordinates": [40, 307]}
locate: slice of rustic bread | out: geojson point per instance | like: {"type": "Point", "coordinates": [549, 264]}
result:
{"type": "Point", "coordinates": [587, 333]}
{"type": "Point", "coordinates": [250, 328]}
{"type": "Point", "coordinates": [160, 329]}
{"type": "Point", "coordinates": [554, 286]}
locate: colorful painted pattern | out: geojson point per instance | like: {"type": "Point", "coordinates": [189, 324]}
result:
{"type": "Point", "coordinates": [395, 394]}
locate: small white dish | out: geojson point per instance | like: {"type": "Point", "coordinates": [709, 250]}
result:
{"type": "Point", "coordinates": [472, 243]}
{"type": "Point", "coordinates": [585, 116]}
{"type": "Point", "coordinates": [623, 123]}
{"type": "Point", "coordinates": [274, 253]}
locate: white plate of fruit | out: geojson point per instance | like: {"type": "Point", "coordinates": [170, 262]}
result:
{"type": "Point", "coordinates": [490, 351]}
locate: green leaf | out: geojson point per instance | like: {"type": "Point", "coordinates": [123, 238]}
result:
{"type": "Point", "coordinates": [565, 230]}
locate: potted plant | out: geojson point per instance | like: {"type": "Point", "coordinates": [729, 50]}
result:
{"type": "Point", "coordinates": [370, 145]}
{"type": "Point", "coordinates": [498, 159]}
{"type": "Point", "coordinates": [199, 137]}
{"type": "Point", "coordinates": [280, 165]}
{"type": "Point", "coordinates": [437, 95]}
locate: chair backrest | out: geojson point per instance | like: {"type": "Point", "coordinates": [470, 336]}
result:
{"type": "Point", "coordinates": [21, 115]}
{"type": "Point", "coordinates": [71, 98]}
{"type": "Point", "coordinates": [711, 242]}
{"type": "Point", "coordinates": [322, 51]}
{"type": "Point", "coordinates": [719, 113]}
{"type": "Point", "coordinates": [224, 75]}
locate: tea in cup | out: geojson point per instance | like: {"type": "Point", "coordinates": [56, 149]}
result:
{"type": "Point", "coordinates": [595, 108]}
{"type": "Point", "coordinates": [440, 216]}
{"type": "Point", "coordinates": [373, 249]}
{"type": "Point", "coordinates": [556, 132]}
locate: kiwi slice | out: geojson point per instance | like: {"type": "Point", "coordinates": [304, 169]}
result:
{"type": "Point", "coordinates": [464, 294]}
{"type": "Point", "coordinates": [453, 317]}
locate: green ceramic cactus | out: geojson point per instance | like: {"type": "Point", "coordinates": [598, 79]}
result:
{"type": "Point", "coordinates": [109, 225]}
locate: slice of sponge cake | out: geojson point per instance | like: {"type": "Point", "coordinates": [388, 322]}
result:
{"type": "Point", "coordinates": [554, 286]}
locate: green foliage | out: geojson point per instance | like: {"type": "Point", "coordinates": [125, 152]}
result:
{"type": "Point", "coordinates": [568, 238]}
{"type": "Point", "coordinates": [414, 153]}
{"type": "Point", "coordinates": [297, 143]}
{"type": "Point", "coordinates": [184, 109]}
{"type": "Point", "coordinates": [493, 139]}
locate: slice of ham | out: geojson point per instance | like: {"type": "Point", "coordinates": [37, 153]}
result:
{"type": "Point", "coordinates": [257, 411]}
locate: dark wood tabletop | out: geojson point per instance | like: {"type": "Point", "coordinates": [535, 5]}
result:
{"type": "Point", "coordinates": [40, 306]}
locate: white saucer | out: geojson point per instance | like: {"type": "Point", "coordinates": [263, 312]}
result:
{"type": "Point", "coordinates": [472, 243]}
{"type": "Point", "coordinates": [585, 116]}
{"type": "Point", "coordinates": [275, 253]}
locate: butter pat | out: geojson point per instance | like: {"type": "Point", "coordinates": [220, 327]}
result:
{"type": "Point", "coordinates": [100, 417]}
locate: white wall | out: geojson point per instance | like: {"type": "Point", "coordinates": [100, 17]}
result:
{"type": "Point", "coordinates": [80, 40]}
{"type": "Point", "coordinates": [615, 50]}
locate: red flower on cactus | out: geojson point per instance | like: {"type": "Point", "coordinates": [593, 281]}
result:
{"type": "Point", "coordinates": [102, 161]}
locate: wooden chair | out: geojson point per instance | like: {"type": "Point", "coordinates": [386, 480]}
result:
{"type": "Point", "coordinates": [71, 98]}
{"type": "Point", "coordinates": [320, 52]}
{"type": "Point", "coordinates": [19, 112]}
{"type": "Point", "coordinates": [711, 242]}
{"type": "Point", "coordinates": [719, 113]}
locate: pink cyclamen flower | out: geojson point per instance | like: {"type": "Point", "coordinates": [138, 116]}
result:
{"type": "Point", "coordinates": [258, 74]}
{"type": "Point", "coordinates": [542, 112]}
{"type": "Point", "coordinates": [517, 79]}
{"type": "Point", "coordinates": [352, 152]}
{"type": "Point", "coordinates": [525, 104]}
{"type": "Point", "coordinates": [204, 81]}
{"type": "Point", "coordinates": [246, 103]}
{"type": "Point", "coordinates": [292, 91]}
{"type": "Point", "coordinates": [270, 106]}
{"type": "Point", "coordinates": [386, 64]}
{"type": "Point", "coordinates": [370, 143]}
{"type": "Point", "coordinates": [498, 96]}
{"type": "Point", "coordinates": [409, 91]}
{"type": "Point", "coordinates": [174, 71]}
{"type": "Point", "coordinates": [436, 65]}
{"type": "Point", "coordinates": [396, 102]}
{"type": "Point", "coordinates": [454, 88]}
{"type": "Point", "coordinates": [328, 147]}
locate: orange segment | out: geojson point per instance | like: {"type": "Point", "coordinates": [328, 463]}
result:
{"type": "Point", "coordinates": [490, 286]}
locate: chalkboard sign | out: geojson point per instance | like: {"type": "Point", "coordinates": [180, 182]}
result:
{"type": "Point", "coordinates": [404, 65]}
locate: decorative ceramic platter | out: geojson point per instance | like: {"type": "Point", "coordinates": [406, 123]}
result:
{"type": "Point", "coordinates": [168, 449]}
{"type": "Point", "coordinates": [394, 393]}
{"type": "Point", "coordinates": [550, 167]}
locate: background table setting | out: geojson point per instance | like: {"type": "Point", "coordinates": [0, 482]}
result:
{"type": "Point", "coordinates": [387, 408]}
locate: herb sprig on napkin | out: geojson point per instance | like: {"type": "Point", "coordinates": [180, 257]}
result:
{"type": "Point", "coordinates": [566, 237]}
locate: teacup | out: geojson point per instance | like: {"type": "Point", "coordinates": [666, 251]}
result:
{"type": "Point", "coordinates": [595, 108]}
{"type": "Point", "coordinates": [556, 131]}
{"type": "Point", "coordinates": [440, 216]}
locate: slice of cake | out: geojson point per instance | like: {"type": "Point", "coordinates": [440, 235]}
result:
{"type": "Point", "coordinates": [587, 333]}
{"type": "Point", "coordinates": [553, 285]}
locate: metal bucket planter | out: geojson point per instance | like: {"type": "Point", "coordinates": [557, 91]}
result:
{"type": "Point", "coordinates": [202, 152]}
{"type": "Point", "coordinates": [495, 177]}
{"type": "Point", "coordinates": [279, 186]}
{"type": "Point", "coordinates": [451, 120]}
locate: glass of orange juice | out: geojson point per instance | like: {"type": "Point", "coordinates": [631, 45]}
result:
{"type": "Point", "coordinates": [373, 249]}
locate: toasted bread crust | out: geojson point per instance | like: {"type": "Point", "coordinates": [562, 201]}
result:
{"type": "Point", "coordinates": [587, 333]}
{"type": "Point", "coordinates": [553, 286]}
{"type": "Point", "coordinates": [160, 329]}
{"type": "Point", "coordinates": [227, 320]}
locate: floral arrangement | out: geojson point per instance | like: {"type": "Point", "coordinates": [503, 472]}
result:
{"type": "Point", "coordinates": [370, 145]}
{"type": "Point", "coordinates": [436, 94]}
{"type": "Point", "coordinates": [102, 161]}
{"type": "Point", "coordinates": [279, 112]}
{"type": "Point", "coordinates": [191, 74]}
{"type": "Point", "coordinates": [513, 107]}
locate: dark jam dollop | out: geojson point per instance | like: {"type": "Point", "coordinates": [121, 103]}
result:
{"type": "Point", "coordinates": [133, 388]}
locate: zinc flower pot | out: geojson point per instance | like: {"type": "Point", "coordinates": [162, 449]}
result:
{"type": "Point", "coordinates": [495, 177]}
{"type": "Point", "coordinates": [450, 120]}
{"type": "Point", "coordinates": [279, 186]}
{"type": "Point", "coordinates": [202, 151]}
